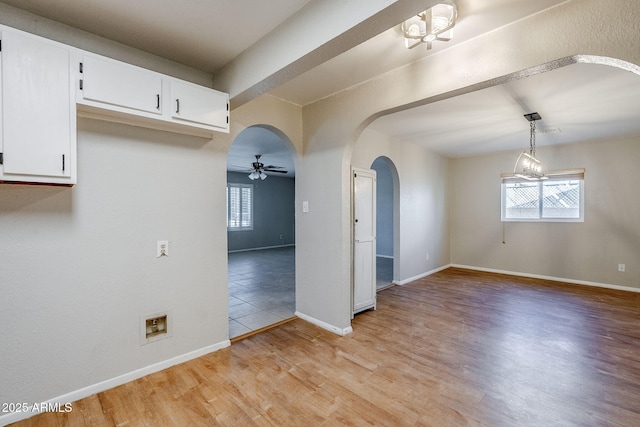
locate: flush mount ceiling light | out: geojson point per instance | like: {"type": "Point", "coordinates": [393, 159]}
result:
{"type": "Point", "coordinates": [433, 24]}
{"type": "Point", "coordinates": [528, 166]}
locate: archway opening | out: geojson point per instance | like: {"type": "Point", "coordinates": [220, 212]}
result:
{"type": "Point", "coordinates": [260, 230]}
{"type": "Point", "coordinates": [385, 229]}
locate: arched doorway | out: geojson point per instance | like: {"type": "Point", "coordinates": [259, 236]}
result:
{"type": "Point", "coordinates": [386, 215]}
{"type": "Point", "coordinates": [260, 230]}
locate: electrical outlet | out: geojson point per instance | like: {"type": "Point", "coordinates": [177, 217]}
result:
{"type": "Point", "coordinates": [621, 268]}
{"type": "Point", "coordinates": [162, 248]}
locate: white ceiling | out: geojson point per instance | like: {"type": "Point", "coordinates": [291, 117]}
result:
{"type": "Point", "coordinates": [256, 140]}
{"type": "Point", "coordinates": [582, 101]}
{"type": "Point", "coordinates": [203, 34]}
{"type": "Point", "coordinates": [579, 102]}
{"type": "Point", "coordinates": [386, 51]}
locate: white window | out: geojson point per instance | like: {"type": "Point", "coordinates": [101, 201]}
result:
{"type": "Point", "coordinates": [239, 207]}
{"type": "Point", "coordinates": [556, 199]}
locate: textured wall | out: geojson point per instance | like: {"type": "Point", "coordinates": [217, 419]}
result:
{"type": "Point", "coordinates": [333, 125]}
{"type": "Point", "coordinates": [585, 251]}
{"type": "Point", "coordinates": [78, 265]}
{"type": "Point", "coordinates": [273, 213]}
{"type": "Point", "coordinates": [422, 202]}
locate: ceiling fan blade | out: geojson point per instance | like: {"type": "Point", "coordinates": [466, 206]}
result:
{"type": "Point", "coordinates": [274, 167]}
{"type": "Point", "coordinates": [274, 170]}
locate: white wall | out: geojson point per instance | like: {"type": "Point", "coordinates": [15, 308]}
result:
{"type": "Point", "coordinates": [79, 267]}
{"type": "Point", "coordinates": [423, 201]}
{"type": "Point", "coordinates": [588, 251]}
{"type": "Point", "coordinates": [333, 125]}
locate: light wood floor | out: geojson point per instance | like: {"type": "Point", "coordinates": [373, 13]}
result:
{"type": "Point", "coordinates": [457, 348]}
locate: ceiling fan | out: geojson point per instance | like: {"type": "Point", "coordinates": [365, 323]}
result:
{"type": "Point", "coordinates": [258, 169]}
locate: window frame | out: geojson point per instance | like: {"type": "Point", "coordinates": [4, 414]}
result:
{"type": "Point", "coordinates": [565, 175]}
{"type": "Point", "coordinates": [240, 227]}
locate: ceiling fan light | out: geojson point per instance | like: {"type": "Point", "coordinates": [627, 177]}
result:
{"type": "Point", "coordinates": [263, 176]}
{"type": "Point", "coordinates": [253, 175]}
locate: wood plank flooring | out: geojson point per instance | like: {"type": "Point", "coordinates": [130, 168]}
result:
{"type": "Point", "coordinates": [457, 348]}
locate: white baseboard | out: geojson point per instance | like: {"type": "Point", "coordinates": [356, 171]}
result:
{"type": "Point", "coordinates": [325, 325]}
{"type": "Point", "coordinates": [259, 249]}
{"type": "Point", "coordinates": [113, 382]}
{"type": "Point", "coordinates": [420, 276]}
{"type": "Point", "coordinates": [556, 279]}
{"type": "Point", "coordinates": [516, 273]}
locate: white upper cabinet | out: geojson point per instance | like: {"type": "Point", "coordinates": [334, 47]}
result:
{"type": "Point", "coordinates": [120, 85]}
{"type": "Point", "coordinates": [38, 114]}
{"type": "Point", "coordinates": [45, 85]}
{"type": "Point", "coordinates": [199, 104]}
{"type": "Point", "coordinates": [116, 91]}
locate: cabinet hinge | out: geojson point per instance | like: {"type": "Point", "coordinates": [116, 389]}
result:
{"type": "Point", "coordinates": [227, 119]}
{"type": "Point", "coordinates": [81, 67]}
{"type": "Point", "coordinates": [227, 106]}
{"type": "Point", "coordinates": [81, 84]}
{"type": "Point", "coordinates": [1, 158]}
{"type": "Point", "coordinates": [0, 45]}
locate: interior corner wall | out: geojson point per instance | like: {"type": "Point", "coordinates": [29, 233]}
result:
{"type": "Point", "coordinates": [273, 213]}
{"type": "Point", "coordinates": [78, 266]}
{"type": "Point", "coordinates": [424, 201]}
{"type": "Point", "coordinates": [587, 251]}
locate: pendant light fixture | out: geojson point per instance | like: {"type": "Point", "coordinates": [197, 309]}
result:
{"type": "Point", "coordinates": [528, 166]}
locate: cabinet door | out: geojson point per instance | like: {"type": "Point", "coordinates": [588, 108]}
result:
{"type": "Point", "coordinates": [38, 112]}
{"type": "Point", "coordinates": [199, 104]}
{"type": "Point", "coordinates": [121, 85]}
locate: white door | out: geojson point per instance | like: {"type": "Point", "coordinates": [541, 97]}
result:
{"type": "Point", "coordinates": [364, 235]}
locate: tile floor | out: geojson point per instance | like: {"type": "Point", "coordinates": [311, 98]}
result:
{"type": "Point", "coordinates": [384, 273]}
{"type": "Point", "coordinates": [262, 287]}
